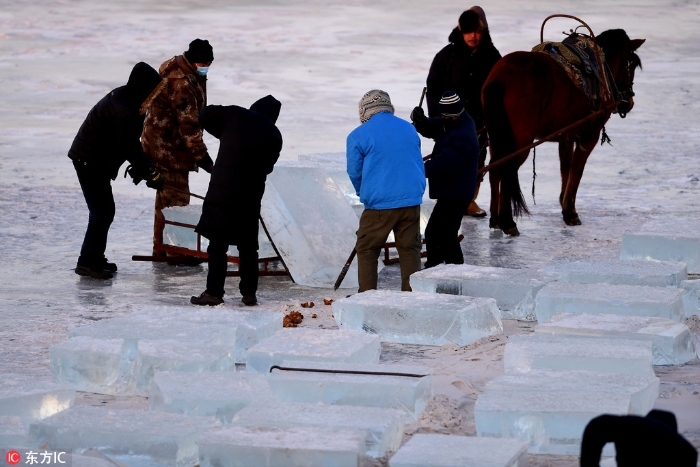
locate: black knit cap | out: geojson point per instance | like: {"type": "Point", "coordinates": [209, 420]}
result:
{"type": "Point", "coordinates": [200, 52]}
{"type": "Point", "coordinates": [469, 21]}
{"type": "Point", "coordinates": [450, 105]}
{"type": "Point", "coordinates": [142, 81]}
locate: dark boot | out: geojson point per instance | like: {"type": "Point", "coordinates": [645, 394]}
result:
{"type": "Point", "coordinates": [107, 266]}
{"type": "Point", "coordinates": [206, 299]}
{"type": "Point", "coordinates": [249, 300]}
{"type": "Point", "coordinates": [97, 273]}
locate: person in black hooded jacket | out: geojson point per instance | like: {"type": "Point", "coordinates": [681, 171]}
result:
{"type": "Point", "coordinates": [462, 66]}
{"type": "Point", "coordinates": [250, 145]}
{"type": "Point", "coordinates": [109, 136]}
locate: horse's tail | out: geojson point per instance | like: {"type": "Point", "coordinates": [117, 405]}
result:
{"type": "Point", "coordinates": [502, 142]}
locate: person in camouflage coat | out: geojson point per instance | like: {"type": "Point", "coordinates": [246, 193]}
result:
{"type": "Point", "coordinates": [172, 136]}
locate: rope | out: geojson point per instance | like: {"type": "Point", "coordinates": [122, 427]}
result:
{"type": "Point", "coordinates": [534, 175]}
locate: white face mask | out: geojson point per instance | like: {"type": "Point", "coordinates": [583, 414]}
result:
{"type": "Point", "coordinates": [202, 70]}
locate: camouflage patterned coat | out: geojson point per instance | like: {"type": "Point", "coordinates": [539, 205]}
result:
{"type": "Point", "coordinates": [172, 137]}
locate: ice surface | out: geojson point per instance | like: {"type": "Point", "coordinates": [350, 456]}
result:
{"type": "Point", "coordinates": [513, 289]}
{"type": "Point", "coordinates": [634, 300]}
{"type": "Point", "coordinates": [313, 345]}
{"type": "Point", "coordinates": [665, 240]}
{"type": "Point", "coordinates": [544, 351]}
{"type": "Point", "coordinates": [242, 446]}
{"type": "Point", "coordinates": [311, 223]}
{"type": "Point", "coordinates": [30, 399]}
{"type": "Point", "coordinates": [384, 427]}
{"type": "Point", "coordinates": [672, 342]}
{"type": "Point", "coordinates": [208, 394]}
{"type": "Point", "coordinates": [13, 433]}
{"type": "Point", "coordinates": [692, 297]}
{"type": "Point", "coordinates": [126, 367]}
{"type": "Point", "coordinates": [133, 437]}
{"type": "Point", "coordinates": [432, 450]}
{"type": "Point", "coordinates": [419, 317]}
{"type": "Point", "coordinates": [616, 271]}
{"type": "Point", "coordinates": [408, 387]}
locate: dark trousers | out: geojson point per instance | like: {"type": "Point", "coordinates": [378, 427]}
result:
{"type": "Point", "coordinates": [97, 190]}
{"type": "Point", "coordinates": [248, 268]}
{"type": "Point", "coordinates": [441, 243]}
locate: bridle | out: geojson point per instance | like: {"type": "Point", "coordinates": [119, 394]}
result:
{"type": "Point", "coordinates": [623, 96]}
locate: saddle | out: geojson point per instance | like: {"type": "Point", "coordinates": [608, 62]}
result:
{"type": "Point", "coordinates": [577, 56]}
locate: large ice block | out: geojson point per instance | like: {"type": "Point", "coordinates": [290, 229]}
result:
{"type": "Point", "coordinates": [419, 317]}
{"type": "Point", "coordinates": [617, 271]}
{"type": "Point", "coordinates": [628, 300]}
{"type": "Point", "coordinates": [129, 436]}
{"type": "Point", "coordinates": [384, 427]}
{"type": "Point", "coordinates": [549, 352]}
{"type": "Point", "coordinates": [313, 345]}
{"type": "Point", "coordinates": [13, 433]}
{"type": "Point", "coordinates": [31, 399]}
{"type": "Point", "coordinates": [405, 387]}
{"type": "Point", "coordinates": [186, 237]}
{"type": "Point", "coordinates": [665, 240]}
{"type": "Point", "coordinates": [672, 342]}
{"type": "Point", "coordinates": [691, 297]}
{"type": "Point", "coordinates": [303, 446]}
{"type": "Point", "coordinates": [641, 389]}
{"type": "Point", "coordinates": [513, 289]}
{"type": "Point", "coordinates": [220, 395]}
{"type": "Point", "coordinates": [432, 450]}
{"type": "Point", "coordinates": [311, 223]}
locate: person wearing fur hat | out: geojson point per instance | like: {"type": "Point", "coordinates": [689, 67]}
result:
{"type": "Point", "coordinates": [108, 137]}
{"type": "Point", "coordinates": [462, 66]}
{"type": "Point", "coordinates": [385, 166]}
{"type": "Point", "coordinates": [172, 136]}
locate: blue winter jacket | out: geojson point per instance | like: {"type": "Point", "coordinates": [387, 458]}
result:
{"type": "Point", "coordinates": [385, 164]}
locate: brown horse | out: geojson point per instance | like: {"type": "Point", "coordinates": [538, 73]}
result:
{"type": "Point", "coordinates": [529, 96]}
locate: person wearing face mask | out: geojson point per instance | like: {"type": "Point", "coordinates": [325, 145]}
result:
{"type": "Point", "coordinates": [172, 135]}
{"type": "Point", "coordinates": [462, 66]}
{"type": "Point", "coordinates": [452, 173]}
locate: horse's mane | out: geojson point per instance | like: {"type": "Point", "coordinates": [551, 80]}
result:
{"type": "Point", "coordinates": [614, 42]}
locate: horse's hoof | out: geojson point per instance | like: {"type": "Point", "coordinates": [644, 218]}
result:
{"type": "Point", "coordinates": [493, 224]}
{"type": "Point", "coordinates": [573, 220]}
{"type": "Point", "coordinates": [513, 231]}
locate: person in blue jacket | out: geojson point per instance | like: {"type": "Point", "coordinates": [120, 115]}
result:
{"type": "Point", "coordinates": [385, 166]}
{"type": "Point", "coordinates": [452, 172]}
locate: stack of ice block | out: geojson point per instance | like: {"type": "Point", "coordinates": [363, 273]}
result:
{"type": "Point", "coordinates": [30, 399]}
{"type": "Point", "coordinates": [128, 436]}
{"type": "Point", "coordinates": [559, 297]}
{"type": "Point", "coordinates": [665, 240]}
{"type": "Point", "coordinates": [418, 317]}
{"type": "Point", "coordinates": [619, 272]}
{"type": "Point", "coordinates": [429, 450]}
{"type": "Point", "coordinates": [243, 446]}
{"type": "Point", "coordinates": [692, 297]}
{"type": "Point", "coordinates": [404, 387]}
{"type": "Point", "coordinates": [220, 395]}
{"type": "Point", "coordinates": [672, 342]}
{"type": "Point", "coordinates": [384, 427]}
{"type": "Point", "coordinates": [513, 289]}
{"type": "Point", "coordinates": [313, 345]}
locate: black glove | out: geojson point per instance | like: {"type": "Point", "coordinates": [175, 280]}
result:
{"type": "Point", "coordinates": [205, 163]}
{"type": "Point", "coordinates": [418, 115]}
{"type": "Point", "coordinates": [154, 179]}
{"type": "Point", "coordinates": [133, 173]}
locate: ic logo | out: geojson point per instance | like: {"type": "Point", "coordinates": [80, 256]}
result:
{"type": "Point", "coordinates": [12, 457]}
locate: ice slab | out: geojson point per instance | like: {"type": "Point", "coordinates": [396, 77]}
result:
{"type": "Point", "coordinates": [692, 297]}
{"type": "Point", "coordinates": [628, 300]}
{"type": "Point", "coordinates": [220, 395]}
{"type": "Point", "coordinates": [126, 367]}
{"type": "Point", "coordinates": [432, 450]}
{"type": "Point", "coordinates": [243, 446]}
{"type": "Point", "coordinates": [384, 427]}
{"type": "Point", "coordinates": [552, 352]}
{"type": "Point", "coordinates": [672, 342]}
{"type": "Point", "coordinates": [513, 289]}
{"type": "Point", "coordinates": [186, 237]}
{"type": "Point", "coordinates": [132, 437]}
{"type": "Point", "coordinates": [311, 223]}
{"type": "Point", "coordinates": [404, 387]}
{"type": "Point", "coordinates": [665, 240]}
{"type": "Point", "coordinates": [419, 317]}
{"type": "Point", "coordinates": [32, 399]}
{"type": "Point", "coordinates": [619, 272]}
{"type": "Point", "coordinates": [13, 433]}
{"type": "Point", "coordinates": [313, 345]}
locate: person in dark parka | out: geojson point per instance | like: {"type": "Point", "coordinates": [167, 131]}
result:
{"type": "Point", "coordinates": [250, 146]}
{"type": "Point", "coordinates": [109, 136]}
{"type": "Point", "coordinates": [462, 66]}
{"type": "Point", "coordinates": [650, 441]}
{"type": "Point", "coordinates": [452, 175]}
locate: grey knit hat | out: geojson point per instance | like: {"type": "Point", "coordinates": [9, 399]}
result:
{"type": "Point", "coordinates": [373, 102]}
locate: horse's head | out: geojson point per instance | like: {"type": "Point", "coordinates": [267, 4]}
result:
{"type": "Point", "coordinates": [623, 62]}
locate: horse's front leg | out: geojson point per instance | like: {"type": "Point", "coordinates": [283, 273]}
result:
{"type": "Point", "coordinates": [566, 151]}
{"type": "Point", "coordinates": [578, 162]}
{"type": "Point", "coordinates": [495, 182]}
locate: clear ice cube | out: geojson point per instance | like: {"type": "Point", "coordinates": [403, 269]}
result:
{"type": "Point", "coordinates": [691, 297]}
{"type": "Point", "coordinates": [665, 240]}
{"type": "Point", "coordinates": [616, 271]}
{"type": "Point", "coordinates": [31, 399]}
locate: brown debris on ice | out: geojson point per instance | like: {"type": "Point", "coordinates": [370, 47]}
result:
{"type": "Point", "coordinates": [292, 320]}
